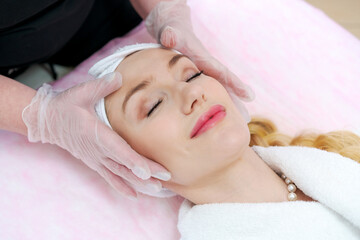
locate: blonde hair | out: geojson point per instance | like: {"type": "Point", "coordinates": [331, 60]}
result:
{"type": "Point", "coordinates": [264, 133]}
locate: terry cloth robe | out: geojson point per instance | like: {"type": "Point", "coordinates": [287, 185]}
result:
{"type": "Point", "coordinates": [329, 178]}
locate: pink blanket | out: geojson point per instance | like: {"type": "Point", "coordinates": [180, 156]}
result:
{"type": "Point", "coordinates": [304, 68]}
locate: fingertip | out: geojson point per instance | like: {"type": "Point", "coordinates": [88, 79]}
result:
{"type": "Point", "coordinates": [154, 187]}
{"type": "Point", "coordinates": [129, 193]}
{"type": "Point", "coordinates": [168, 37]}
{"type": "Point", "coordinates": [118, 76]}
{"type": "Point", "coordinates": [132, 198]}
{"type": "Point", "coordinates": [113, 77]}
{"type": "Point", "coordinates": [241, 90]}
{"type": "Point", "coordinates": [249, 95]}
{"type": "Point", "coordinates": [240, 107]}
{"type": "Point", "coordinates": [165, 176]}
{"type": "Point", "coordinates": [125, 191]}
{"type": "Point", "coordinates": [107, 85]}
{"type": "Point", "coordinates": [117, 183]}
{"type": "Point", "coordinates": [141, 172]}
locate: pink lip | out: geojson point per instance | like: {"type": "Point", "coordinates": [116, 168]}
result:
{"type": "Point", "coordinates": [208, 120]}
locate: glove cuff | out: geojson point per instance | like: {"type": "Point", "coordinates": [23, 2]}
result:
{"type": "Point", "coordinates": [32, 115]}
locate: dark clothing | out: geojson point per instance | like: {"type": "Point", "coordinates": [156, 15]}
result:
{"type": "Point", "coordinates": [65, 32]}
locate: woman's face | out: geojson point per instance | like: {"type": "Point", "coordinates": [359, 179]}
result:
{"type": "Point", "coordinates": [156, 109]}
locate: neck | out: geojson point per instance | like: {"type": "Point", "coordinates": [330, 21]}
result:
{"type": "Point", "coordinates": [247, 180]}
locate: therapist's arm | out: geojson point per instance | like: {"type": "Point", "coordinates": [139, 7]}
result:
{"type": "Point", "coordinates": [144, 7]}
{"type": "Point", "coordinates": [14, 97]}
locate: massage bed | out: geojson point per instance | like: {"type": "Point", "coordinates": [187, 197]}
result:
{"type": "Point", "coordinates": [303, 67]}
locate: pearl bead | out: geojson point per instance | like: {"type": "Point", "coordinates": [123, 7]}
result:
{"type": "Point", "coordinates": [291, 187]}
{"type": "Point", "coordinates": [287, 181]}
{"type": "Point", "coordinates": [292, 196]}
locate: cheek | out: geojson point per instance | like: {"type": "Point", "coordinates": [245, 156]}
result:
{"type": "Point", "coordinates": [167, 144]}
{"type": "Point", "coordinates": [160, 140]}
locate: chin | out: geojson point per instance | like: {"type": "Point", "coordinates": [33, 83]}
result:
{"type": "Point", "coordinates": [231, 141]}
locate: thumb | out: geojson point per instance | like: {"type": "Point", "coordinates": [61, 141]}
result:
{"type": "Point", "coordinates": [240, 106]}
{"type": "Point", "coordinates": [92, 91]}
{"type": "Point", "coordinates": [168, 37]}
{"type": "Point", "coordinates": [105, 85]}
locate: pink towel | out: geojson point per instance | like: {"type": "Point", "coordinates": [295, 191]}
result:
{"type": "Point", "coordinates": [303, 67]}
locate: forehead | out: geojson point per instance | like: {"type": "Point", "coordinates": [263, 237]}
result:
{"type": "Point", "coordinates": [144, 60]}
{"type": "Point", "coordinates": [142, 64]}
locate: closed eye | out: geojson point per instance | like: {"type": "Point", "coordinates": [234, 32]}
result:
{"type": "Point", "coordinates": [194, 76]}
{"type": "Point", "coordinates": [154, 107]}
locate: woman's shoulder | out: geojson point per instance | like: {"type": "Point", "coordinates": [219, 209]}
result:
{"type": "Point", "coordinates": [297, 152]}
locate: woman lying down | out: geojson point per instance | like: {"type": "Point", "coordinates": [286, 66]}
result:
{"type": "Point", "coordinates": [171, 112]}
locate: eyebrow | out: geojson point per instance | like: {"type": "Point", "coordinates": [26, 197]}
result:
{"type": "Point", "coordinates": [175, 59]}
{"type": "Point", "coordinates": [139, 87]}
{"type": "Point", "coordinates": [145, 83]}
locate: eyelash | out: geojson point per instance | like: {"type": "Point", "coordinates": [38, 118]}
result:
{"type": "Point", "coordinates": [194, 76]}
{"type": "Point", "coordinates": [154, 107]}
{"type": "Point", "coordinates": [160, 100]}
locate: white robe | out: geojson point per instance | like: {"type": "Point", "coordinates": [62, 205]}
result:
{"type": "Point", "coordinates": [329, 178]}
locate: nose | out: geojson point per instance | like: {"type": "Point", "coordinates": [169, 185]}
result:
{"type": "Point", "coordinates": [192, 96]}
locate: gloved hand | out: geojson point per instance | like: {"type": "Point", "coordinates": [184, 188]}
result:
{"type": "Point", "coordinates": [68, 119]}
{"type": "Point", "coordinates": [170, 23]}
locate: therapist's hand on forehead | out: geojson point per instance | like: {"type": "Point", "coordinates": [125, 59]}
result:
{"type": "Point", "coordinates": [68, 119]}
{"type": "Point", "coordinates": [170, 23]}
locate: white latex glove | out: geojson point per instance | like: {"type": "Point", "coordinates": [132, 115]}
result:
{"type": "Point", "coordinates": [170, 23]}
{"type": "Point", "coordinates": [68, 119]}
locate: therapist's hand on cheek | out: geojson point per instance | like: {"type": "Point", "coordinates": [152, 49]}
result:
{"type": "Point", "coordinates": [68, 119]}
{"type": "Point", "coordinates": [170, 23]}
